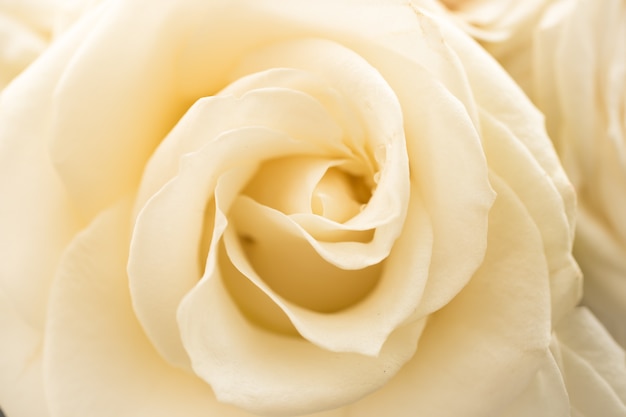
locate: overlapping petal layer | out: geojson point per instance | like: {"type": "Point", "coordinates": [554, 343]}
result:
{"type": "Point", "coordinates": [354, 212]}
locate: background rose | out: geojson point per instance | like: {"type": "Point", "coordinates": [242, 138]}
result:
{"type": "Point", "coordinates": [570, 58]}
{"type": "Point", "coordinates": [579, 81]}
{"type": "Point", "coordinates": [120, 176]}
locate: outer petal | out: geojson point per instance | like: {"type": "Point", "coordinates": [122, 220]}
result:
{"type": "Point", "coordinates": [98, 361]}
{"type": "Point", "coordinates": [164, 67]}
{"type": "Point", "coordinates": [545, 396]}
{"type": "Point", "coordinates": [282, 375]}
{"type": "Point", "coordinates": [166, 259]}
{"type": "Point", "coordinates": [20, 44]}
{"type": "Point", "coordinates": [28, 27]}
{"type": "Point", "coordinates": [27, 175]}
{"type": "Point", "coordinates": [448, 166]}
{"type": "Point", "coordinates": [100, 150]}
{"type": "Point", "coordinates": [489, 341]}
{"type": "Point", "coordinates": [21, 383]}
{"type": "Point", "coordinates": [512, 160]}
{"type": "Point", "coordinates": [512, 109]}
{"type": "Point", "coordinates": [36, 219]}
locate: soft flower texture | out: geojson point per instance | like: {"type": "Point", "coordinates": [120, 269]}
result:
{"type": "Point", "coordinates": [591, 364]}
{"type": "Point", "coordinates": [24, 34]}
{"type": "Point", "coordinates": [579, 81]}
{"type": "Point", "coordinates": [28, 26]}
{"type": "Point", "coordinates": [229, 208]}
{"type": "Point", "coordinates": [503, 27]}
{"type": "Point", "coordinates": [570, 57]}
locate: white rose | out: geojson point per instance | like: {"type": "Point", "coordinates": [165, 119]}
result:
{"type": "Point", "coordinates": [570, 58]}
{"type": "Point", "coordinates": [579, 81]}
{"type": "Point", "coordinates": [225, 208]}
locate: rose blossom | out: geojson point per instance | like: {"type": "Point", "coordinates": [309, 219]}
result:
{"type": "Point", "coordinates": [282, 208]}
{"type": "Point", "coordinates": [579, 82]}
{"type": "Point", "coordinates": [570, 58]}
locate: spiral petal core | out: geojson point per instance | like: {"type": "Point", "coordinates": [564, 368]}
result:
{"type": "Point", "coordinates": [293, 186]}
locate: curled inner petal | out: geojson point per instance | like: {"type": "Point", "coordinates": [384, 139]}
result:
{"type": "Point", "coordinates": [293, 198]}
{"type": "Point", "coordinates": [289, 264]}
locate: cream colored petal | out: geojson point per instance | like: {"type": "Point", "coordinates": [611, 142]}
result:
{"type": "Point", "coordinates": [312, 293]}
{"type": "Point", "coordinates": [609, 186]}
{"type": "Point", "coordinates": [584, 374]}
{"type": "Point", "coordinates": [283, 375]}
{"type": "Point", "coordinates": [37, 221]}
{"type": "Point", "coordinates": [258, 106]}
{"type": "Point", "coordinates": [97, 360]}
{"type": "Point", "coordinates": [401, 282]}
{"type": "Point", "coordinates": [203, 62]}
{"type": "Point", "coordinates": [165, 255]}
{"type": "Point", "coordinates": [39, 15]}
{"type": "Point", "coordinates": [448, 168]}
{"type": "Point", "coordinates": [346, 248]}
{"type": "Point", "coordinates": [115, 102]}
{"type": "Point", "coordinates": [515, 164]}
{"type": "Point", "coordinates": [447, 162]}
{"type": "Point", "coordinates": [489, 341]}
{"type": "Point", "coordinates": [171, 62]}
{"type": "Point", "coordinates": [341, 311]}
{"type": "Point", "coordinates": [543, 89]}
{"type": "Point", "coordinates": [68, 12]}
{"type": "Point", "coordinates": [546, 394]}
{"type": "Point", "coordinates": [21, 378]}
{"type": "Point", "coordinates": [20, 44]}
{"type": "Point", "coordinates": [28, 27]}
{"type": "Point", "coordinates": [36, 217]}
{"type": "Point", "coordinates": [579, 122]}
{"type": "Point", "coordinates": [511, 107]}
{"type": "Point", "coordinates": [378, 110]}
{"type": "Point", "coordinates": [593, 365]}
{"type": "Point", "coordinates": [288, 184]}
{"type": "Point", "coordinates": [451, 175]}
{"type": "Point", "coordinates": [422, 51]}
{"type": "Point", "coordinates": [377, 107]}
{"type": "Point", "coordinates": [336, 196]}
{"type": "Point", "coordinates": [209, 117]}
{"type": "Point", "coordinates": [316, 85]}
{"type": "Point", "coordinates": [273, 374]}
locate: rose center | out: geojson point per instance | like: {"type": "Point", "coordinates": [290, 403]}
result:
{"type": "Point", "coordinates": [277, 251]}
{"type": "Point", "coordinates": [339, 195]}
{"type": "Point", "coordinates": [320, 186]}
